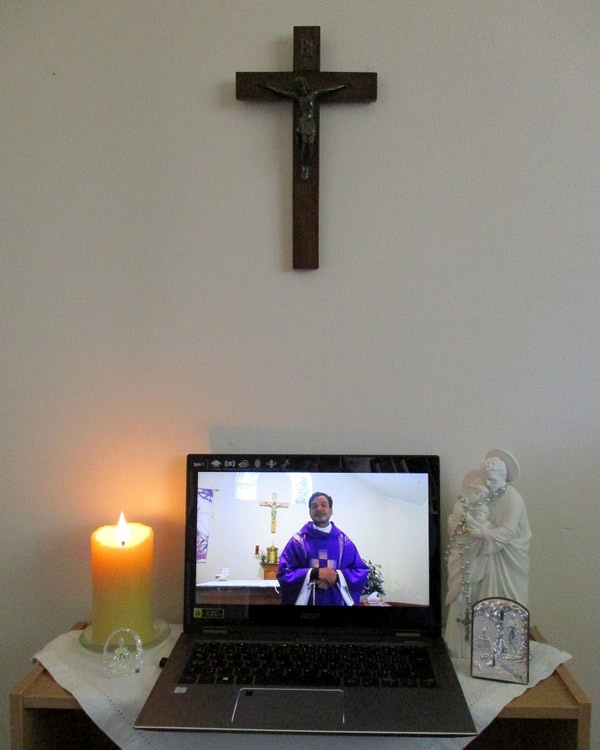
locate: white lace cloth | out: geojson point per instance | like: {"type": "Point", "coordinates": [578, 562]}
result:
{"type": "Point", "coordinates": [114, 703]}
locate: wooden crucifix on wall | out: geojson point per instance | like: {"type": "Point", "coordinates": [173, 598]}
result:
{"type": "Point", "coordinates": [274, 505]}
{"type": "Point", "coordinates": [307, 87]}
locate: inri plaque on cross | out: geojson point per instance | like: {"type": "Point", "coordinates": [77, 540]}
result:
{"type": "Point", "coordinates": [307, 87]}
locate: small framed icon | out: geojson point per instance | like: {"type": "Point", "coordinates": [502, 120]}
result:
{"type": "Point", "coordinates": [500, 641]}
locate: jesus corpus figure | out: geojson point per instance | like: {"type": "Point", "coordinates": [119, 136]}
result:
{"type": "Point", "coordinates": [306, 126]}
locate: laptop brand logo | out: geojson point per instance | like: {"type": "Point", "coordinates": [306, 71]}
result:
{"type": "Point", "coordinates": [310, 616]}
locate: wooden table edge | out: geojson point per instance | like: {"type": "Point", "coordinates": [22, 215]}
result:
{"type": "Point", "coordinates": [38, 689]}
{"type": "Point", "coordinates": [563, 684]}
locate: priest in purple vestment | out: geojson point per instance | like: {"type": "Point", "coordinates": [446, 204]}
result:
{"type": "Point", "coordinates": [320, 565]}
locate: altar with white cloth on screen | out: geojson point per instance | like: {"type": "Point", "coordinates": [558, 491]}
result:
{"type": "Point", "coordinates": [239, 591]}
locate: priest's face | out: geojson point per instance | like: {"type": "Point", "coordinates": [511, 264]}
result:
{"type": "Point", "coordinates": [319, 510]}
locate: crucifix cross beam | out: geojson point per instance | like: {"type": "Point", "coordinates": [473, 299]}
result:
{"type": "Point", "coordinates": [307, 87]}
{"type": "Point", "coordinates": [274, 505]}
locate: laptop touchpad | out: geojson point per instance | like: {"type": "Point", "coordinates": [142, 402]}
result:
{"type": "Point", "coordinates": [288, 709]}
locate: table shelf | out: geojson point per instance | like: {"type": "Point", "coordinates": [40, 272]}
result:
{"type": "Point", "coordinates": [552, 715]}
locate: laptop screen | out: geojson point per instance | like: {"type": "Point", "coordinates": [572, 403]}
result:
{"type": "Point", "coordinates": [349, 540]}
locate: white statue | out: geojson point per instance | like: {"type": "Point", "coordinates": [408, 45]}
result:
{"type": "Point", "coordinates": [488, 553]}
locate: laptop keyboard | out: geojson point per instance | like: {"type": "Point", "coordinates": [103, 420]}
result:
{"type": "Point", "coordinates": [308, 665]}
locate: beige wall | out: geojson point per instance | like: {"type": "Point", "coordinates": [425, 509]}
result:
{"type": "Point", "coordinates": [149, 309]}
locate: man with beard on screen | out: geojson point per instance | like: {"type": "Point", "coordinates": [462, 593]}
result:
{"type": "Point", "coordinates": [320, 565]}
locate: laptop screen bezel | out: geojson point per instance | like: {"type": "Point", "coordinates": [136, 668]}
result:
{"type": "Point", "coordinates": [425, 620]}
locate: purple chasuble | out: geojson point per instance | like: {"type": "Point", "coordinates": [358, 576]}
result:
{"type": "Point", "coordinates": [312, 548]}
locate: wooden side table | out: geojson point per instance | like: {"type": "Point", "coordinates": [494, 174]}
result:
{"type": "Point", "coordinates": [552, 715]}
{"type": "Point", "coordinates": [43, 715]}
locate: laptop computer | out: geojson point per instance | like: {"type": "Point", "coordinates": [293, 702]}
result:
{"type": "Point", "coordinates": [311, 557]}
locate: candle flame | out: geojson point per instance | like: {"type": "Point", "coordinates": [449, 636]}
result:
{"type": "Point", "coordinates": [123, 532]}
